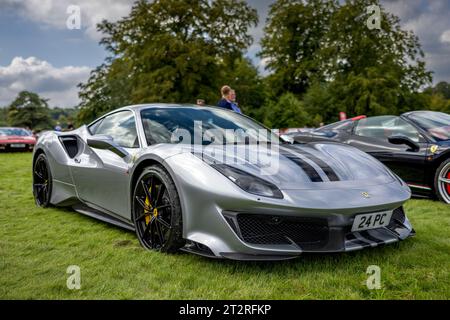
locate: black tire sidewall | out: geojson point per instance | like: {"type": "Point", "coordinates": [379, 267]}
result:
{"type": "Point", "coordinates": [436, 180]}
{"type": "Point", "coordinates": [175, 240]}
{"type": "Point", "coordinates": [43, 157]}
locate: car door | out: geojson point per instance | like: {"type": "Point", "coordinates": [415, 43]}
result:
{"type": "Point", "coordinates": [101, 176]}
{"type": "Point", "coordinates": [371, 135]}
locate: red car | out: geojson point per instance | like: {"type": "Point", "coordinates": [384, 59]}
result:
{"type": "Point", "coordinates": [16, 139]}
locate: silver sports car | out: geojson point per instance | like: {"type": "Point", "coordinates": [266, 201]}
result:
{"type": "Point", "coordinates": [216, 183]}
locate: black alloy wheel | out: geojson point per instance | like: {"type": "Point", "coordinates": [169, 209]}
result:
{"type": "Point", "coordinates": [157, 211]}
{"type": "Point", "coordinates": [42, 181]}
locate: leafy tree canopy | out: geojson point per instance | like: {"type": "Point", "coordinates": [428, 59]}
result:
{"type": "Point", "coordinates": [168, 51]}
{"type": "Point", "coordinates": [29, 110]}
{"type": "Point", "coordinates": [327, 45]}
{"type": "Point", "coordinates": [294, 33]}
{"type": "Point", "coordinates": [286, 112]}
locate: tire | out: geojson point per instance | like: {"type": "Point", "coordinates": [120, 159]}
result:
{"type": "Point", "coordinates": [442, 182]}
{"type": "Point", "coordinates": [159, 230]}
{"type": "Point", "coordinates": [42, 181]}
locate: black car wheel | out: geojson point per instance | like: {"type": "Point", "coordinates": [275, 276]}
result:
{"type": "Point", "coordinates": [157, 211]}
{"type": "Point", "coordinates": [442, 181]}
{"type": "Point", "coordinates": [42, 181]}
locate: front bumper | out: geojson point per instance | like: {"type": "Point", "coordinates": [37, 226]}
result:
{"type": "Point", "coordinates": [19, 146]}
{"type": "Point", "coordinates": [299, 235]}
{"type": "Point", "coordinates": [278, 237]}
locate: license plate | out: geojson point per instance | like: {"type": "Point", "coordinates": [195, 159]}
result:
{"type": "Point", "coordinates": [18, 145]}
{"type": "Point", "coordinates": [372, 221]}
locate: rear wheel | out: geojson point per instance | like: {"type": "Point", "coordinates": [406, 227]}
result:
{"type": "Point", "coordinates": [442, 181]}
{"type": "Point", "coordinates": [42, 181]}
{"type": "Point", "coordinates": [157, 211]}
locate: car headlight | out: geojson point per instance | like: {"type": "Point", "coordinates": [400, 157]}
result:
{"type": "Point", "coordinates": [249, 182]}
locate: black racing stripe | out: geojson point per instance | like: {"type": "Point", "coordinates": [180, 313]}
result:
{"type": "Point", "coordinates": [307, 168]}
{"type": "Point", "coordinates": [325, 167]}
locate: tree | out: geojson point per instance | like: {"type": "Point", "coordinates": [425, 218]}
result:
{"type": "Point", "coordinates": [64, 116]}
{"type": "Point", "coordinates": [319, 104]}
{"type": "Point", "coordinates": [168, 51]}
{"type": "Point", "coordinates": [286, 112]}
{"type": "Point", "coordinates": [29, 110]}
{"type": "Point", "coordinates": [437, 98]}
{"type": "Point", "coordinates": [438, 102]}
{"type": "Point", "coordinates": [293, 35]}
{"type": "Point", "coordinates": [3, 116]}
{"type": "Point", "coordinates": [327, 45]}
{"type": "Point", "coordinates": [372, 69]}
{"type": "Point", "coordinates": [442, 88]}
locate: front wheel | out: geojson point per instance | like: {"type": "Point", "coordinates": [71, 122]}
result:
{"type": "Point", "coordinates": [42, 181]}
{"type": "Point", "coordinates": [442, 181]}
{"type": "Point", "coordinates": [157, 211]}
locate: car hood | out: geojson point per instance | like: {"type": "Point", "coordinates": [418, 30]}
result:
{"type": "Point", "coordinates": [294, 167]}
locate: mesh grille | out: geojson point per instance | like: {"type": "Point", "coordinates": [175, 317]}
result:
{"type": "Point", "coordinates": [270, 230]}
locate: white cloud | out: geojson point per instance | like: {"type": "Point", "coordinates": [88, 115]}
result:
{"type": "Point", "coordinates": [429, 21]}
{"type": "Point", "coordinates": [31, 74]}
{"type": "Point", "coordinates": [54, 12]}
{"type": "Point", "coordinates": [445, 37]}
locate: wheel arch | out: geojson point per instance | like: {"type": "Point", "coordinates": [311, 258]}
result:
{"type": "Point", "coordinates": [437, 163]}
{"type": "Point", "coordinates": [442, 157]}
{"type": "Point", "coordinates": [37, 153]}
{"type": "Point", "coordinates": [145, 163]}
{"type": "Point", "coordinates": [436, 166]}
{"type": "Point", "coordinates": [139, 168]}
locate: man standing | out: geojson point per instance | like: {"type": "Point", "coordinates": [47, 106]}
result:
{"type": "Point", "coordinates": [228, 100]}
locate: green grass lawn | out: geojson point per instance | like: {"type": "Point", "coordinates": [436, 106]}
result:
{"type": "Point", "coordinates": [37, 246]}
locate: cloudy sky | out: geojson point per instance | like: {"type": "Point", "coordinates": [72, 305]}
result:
{"type": "Point", "coordinates": [39, 53]}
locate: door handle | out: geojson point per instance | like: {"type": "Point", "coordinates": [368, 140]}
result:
{"type": "Point", "coordinates": [77, 160]}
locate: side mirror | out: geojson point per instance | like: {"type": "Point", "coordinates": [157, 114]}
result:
{"type": "Point", "coordinates": [400, 140]}
{"type": "Point", "coordinates": [104, 142]}
{"type": "Point", "coordinates": [287, 139]}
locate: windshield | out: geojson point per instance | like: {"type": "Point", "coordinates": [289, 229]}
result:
{"type": "Point", "coordinates": [14, 132]}
{"type": "Point", "coordinates": [205, 125]}
{"type": "Point", "coordinates": [437, 124]}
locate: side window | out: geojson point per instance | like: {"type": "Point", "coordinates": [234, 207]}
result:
{"type": "Point", "coordinates": [386, 126]}
{"type": "Point", "coordinates": [121, 126]}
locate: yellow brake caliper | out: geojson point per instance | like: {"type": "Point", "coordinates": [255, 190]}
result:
{"type": "Point", "coordinates": [148, 214]}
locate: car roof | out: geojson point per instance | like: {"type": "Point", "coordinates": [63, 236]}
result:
{"type": "Point", "coordinates": [140, 107]}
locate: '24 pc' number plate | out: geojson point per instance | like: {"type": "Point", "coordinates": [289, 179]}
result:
{"type": "Point", "coordinates": [371, 221]}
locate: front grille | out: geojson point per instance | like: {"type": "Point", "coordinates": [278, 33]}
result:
{"type": "Point", "coordinates": [277, 230]}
